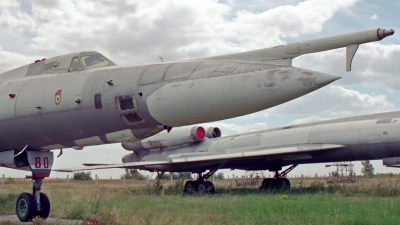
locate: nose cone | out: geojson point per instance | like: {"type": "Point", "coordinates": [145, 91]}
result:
{"type": "Point", "coordinates": [382, 33]}
{"type": "Point", "coordinates": [317, 80]}
{"type": "Point", "coordinates": [217, 98]}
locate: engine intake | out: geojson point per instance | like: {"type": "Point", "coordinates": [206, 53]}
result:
{"type": "Point", "coordinates": [213, 132]}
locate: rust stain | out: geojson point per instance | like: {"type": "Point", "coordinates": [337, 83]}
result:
{"type": "Point", "coordinates": [270, 77]}
{"type": "Point", "coordinates": [307, 81]}
{"type": "Point", "coordinates": [285, 74]}
{"type": "Point", "coordinates": [272, 72]}
{"type": "Point", "coordinates": [175, 85]}
{"type": "Point", "coordinates": [307, 73]}
{"type": "Point", "coordinates": [284, 77]}
{"type": "Point", "coordinates": [267, 85]}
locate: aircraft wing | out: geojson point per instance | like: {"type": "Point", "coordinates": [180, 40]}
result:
{"type": "Point", "coordinates": [225, 157]}
{"type": "Point", "coordinates": [113, 166]}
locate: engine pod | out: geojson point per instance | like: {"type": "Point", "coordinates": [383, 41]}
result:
{"type": "Point", "coordinates": [176, 137]}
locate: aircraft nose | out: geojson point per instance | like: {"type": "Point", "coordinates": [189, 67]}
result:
{"type": "Point", "coordinates": [327, 78]}
{"type": "Point", "coordinates": [382, 33]}
{"type": "Point", "coordinates": [315, 80]}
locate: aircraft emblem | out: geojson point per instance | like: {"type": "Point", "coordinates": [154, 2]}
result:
{"type": "Point", "coordinates": [57, 97]}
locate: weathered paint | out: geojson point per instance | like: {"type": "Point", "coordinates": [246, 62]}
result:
{"type": "Point", "coordinates": [328, 141]}
{"type": "Point", "coordinates": [44, 111]}
{"type": "Point", "coordinates": [217, 98]}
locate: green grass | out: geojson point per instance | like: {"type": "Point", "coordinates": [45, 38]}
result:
{"type": "Point", "coordinates": [365, 202]}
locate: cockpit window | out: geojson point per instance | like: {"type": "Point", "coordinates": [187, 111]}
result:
{"type": "Point", "coordinates": [93, 61]}
{"type": "Point", "coordinates": [75, 65]}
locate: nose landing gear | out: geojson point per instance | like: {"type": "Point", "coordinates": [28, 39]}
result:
{"type": "Point", "coordinates": [28, 206]}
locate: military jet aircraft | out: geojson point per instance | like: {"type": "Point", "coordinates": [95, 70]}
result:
{"type": "Point", "coordinates": [83, 99]}
{"type": "Point", "coordinates": [197, 149]}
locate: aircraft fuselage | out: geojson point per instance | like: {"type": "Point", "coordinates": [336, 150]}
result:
{"type": "Point", "coordinates": [125, 104]}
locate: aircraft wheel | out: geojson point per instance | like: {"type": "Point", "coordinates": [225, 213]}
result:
{"type": "Point", "coordinates": [45, 203]}
{"type": "Point", "coordinates": [263, 186]}
{"type": "Point", "coordinates": [285, 183]}
{"type": "Point", "coordinates": [267, 183]}
{"type": "Point", "coordinates": [25, 207]}
{"type": "Point", "coordinates": [211, 187]}
{"type": "Point", "coordinates": [202, 187]}
{"type": "Point", "coordinates": [190, 187]}
{"type": "Point", "coordinates": [277, 184]}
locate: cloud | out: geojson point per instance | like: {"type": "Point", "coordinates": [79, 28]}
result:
{"type": "Point", "coordinates": [134, 32]}
{"type": "Point", "coordinates": [336, 101]}
{"type": "Point", "coordinates": [9, 4]}
{"type": "Point", "coordinates": [374, 17]}
{"type": "Point", "coordinates": [15, 21]}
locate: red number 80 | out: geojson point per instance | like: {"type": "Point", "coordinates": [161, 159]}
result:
{"type": "Point", "coordinates": [38, 163]}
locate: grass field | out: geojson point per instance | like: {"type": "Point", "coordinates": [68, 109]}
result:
{"type": "Point", "coordinates": [371, 201]}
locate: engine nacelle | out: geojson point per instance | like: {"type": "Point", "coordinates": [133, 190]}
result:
{"type": "Point", "coordinates": [131, 157]}
{"type": "Point", "coordinates": [176, 137]}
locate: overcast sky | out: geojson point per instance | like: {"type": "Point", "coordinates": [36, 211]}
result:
{"type": "Point", "coordinates": [137, 32]}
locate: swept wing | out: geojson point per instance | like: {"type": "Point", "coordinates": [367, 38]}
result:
{"type": "Point", "coordinates": [215, 158]}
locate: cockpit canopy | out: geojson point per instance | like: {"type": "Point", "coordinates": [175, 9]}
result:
{"type": "Point", "coordinates": [69, 63]}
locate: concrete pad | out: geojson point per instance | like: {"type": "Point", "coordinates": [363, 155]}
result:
{"type": "Point", "coordinates": [14, 219]}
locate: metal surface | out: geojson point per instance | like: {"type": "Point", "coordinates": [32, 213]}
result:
{"type": "Point", "coordinates": [330, 141]}
{"type": "Point", "coordinates": [162, 95]}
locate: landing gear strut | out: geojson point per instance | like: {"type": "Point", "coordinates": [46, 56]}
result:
{"type": "Point", "coordinates": [28, 206]}
{"type": "Point", "coordinates": [201, 185]}
{"type": "Point", "coordinates": [31, 205]}
{"type": "Point", "coordinates": [279, 181]}
{"type": "Point", "coordinates": [158, 179]}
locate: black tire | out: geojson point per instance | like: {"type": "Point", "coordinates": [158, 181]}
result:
{"type": "Point", "coordinates": [211, 187]}
{"type": "Point", "coordinates": [25, 207]}
{"type": "Point", "coordinates": [190, 187]}
{"type": "Point", "coordinates": [202, 187]}
{"type": "Point", "coordinates": [267, 183]}
{"type": "Point", "coordinates": [45, 203]}
{"type": "Point", "coordinates": [285, 184]}
{"type": "Point", "coordinates": [277, 184]}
